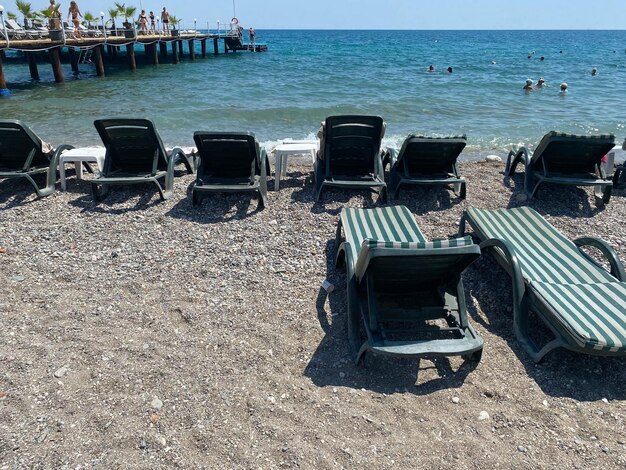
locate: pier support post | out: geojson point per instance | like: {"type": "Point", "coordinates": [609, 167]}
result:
{"type": "Point", "coordinates": [163, 47]}
{"type": "Point", "coordinates": [180, 48]}
{"type": "Point", "coordinates": [203, 45]}
{"type": "Point", "coordinates": [175, 58]}
{"type": "Point", "coordinates": [154, 56]}
{"type": "Point", "coordinates": [3, 82]}
{"type": "Point", "coordinates": [215, 46]}
{"type": "Point", "coordinates": [73, 59]}
{"type": "Point", "coordinates": [55, 60]}
{"type": "Point", "coordinates": [97, 56]}
{"type": "Point", "coordinates": [225, 46]}
{"type": "Point", "coordinates": [192, 50]}
{"type": "Point", "coordinates": [130, 52]}
{"type": "Point", "coordinates": [32, 65]}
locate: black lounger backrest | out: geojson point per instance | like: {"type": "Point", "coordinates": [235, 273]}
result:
{"type": "Point", "coordinates": [17, 141]}
{"type": "Point", "coordinates": [566, 153]}
{"type": "Point", "coordinates": [352, 143]}
{"type": "Point", "coordinates": [227, 154]}
{"type": "Point", "coordinates": [430, 155]}
{"type": "Point", "coordinates": [131, 146]}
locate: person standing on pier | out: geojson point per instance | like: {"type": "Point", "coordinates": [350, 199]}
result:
{"type": "Point", "coordinates": [143, 22]}
{"type": "Point", "coordinates": [165, 19]}
{"type": "Point", "coordinates": [74, 13]}
{"type": "Point", "coordinates": [152, 23]}
{"type": "Point", "coordinates": [251, 35]}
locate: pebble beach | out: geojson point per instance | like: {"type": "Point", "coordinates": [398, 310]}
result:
{"type": "Point", "coordinates": [136, 333]}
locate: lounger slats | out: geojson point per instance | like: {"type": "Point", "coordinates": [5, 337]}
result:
{"type": "Point", "coordinates": [545, 254]}
{"type": "Point", "coordinates": [385, 224]}
{"type": "Point", "coordinates": [593, 313]}
{"type": "Point", "coordinates": [443, 243]}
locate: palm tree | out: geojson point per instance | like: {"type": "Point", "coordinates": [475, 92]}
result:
{"type": "Point", "coordinates": [113, 13]}
{"type": "Point", "coordinates": [126, 12]}
{"type": "Point", "coordinates": [88, 17]}
{"type": "Point", "coordinates": [26, 10]}
{"type": "Point", "coordinates": [11, 15]}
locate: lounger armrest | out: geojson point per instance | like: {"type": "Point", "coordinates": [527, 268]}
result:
{"type": "Point", "coordinates": [516, 272]}
{"type": "Point", "coordinates": [516, 156]}
{"type": "Point", "coordinates": [390, 155]}
{"type": "Point", "coordinates": [617, 268]}
{"type": "Point", "coordinates": [179, 156]}
{"type": "Point", "coordinates": [60, 149]}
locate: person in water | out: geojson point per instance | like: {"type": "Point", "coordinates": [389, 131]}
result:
{"type": "Point", "coordinates": [528, 86]}
{"type": "Point", "coordinates": [563, 88]}
{"type": "Point", "coordinates": [431, 68]}
{"type": "Point", "coordinates": [541, 82]}
{"type": "Point", "coordinates": [594, 71]}
{"type": "Point", "coordinates": [449, 69]}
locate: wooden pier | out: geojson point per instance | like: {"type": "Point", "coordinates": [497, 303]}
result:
{"type": "Point", "coordinates": [104, 50]}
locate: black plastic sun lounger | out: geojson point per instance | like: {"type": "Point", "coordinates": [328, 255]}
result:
{"type": "Point", "coordinates": [427, 161]}
{"type": "Point", "coordinates": [230, 162]}
{"type": "Point", "coordinates": [135, 154]}
{"type": "Point", "coordinates": [565, 159]}
{"type": "Point", "coordinates": [24, 155]}
{"type": "Point", "coordinates": [350, 154]}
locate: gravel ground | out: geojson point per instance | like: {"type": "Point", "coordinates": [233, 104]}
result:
{"type": "Point", "coordinates": [141, 334]}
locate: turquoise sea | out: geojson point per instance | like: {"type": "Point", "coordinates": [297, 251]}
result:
{"type": "Point", "coordinates": [307, 75]}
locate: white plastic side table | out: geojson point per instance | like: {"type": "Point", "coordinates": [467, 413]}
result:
{"type": "Point", "coordinates": [282, 152]}
{"type": "Point", "coordinates": [78, 156]}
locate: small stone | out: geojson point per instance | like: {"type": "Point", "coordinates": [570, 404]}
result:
{"type": "Point", "coordinates": [545, 403]}
{"type": "Point", "coordinates": [156, 404]}
{"type": "Point", "coordinates": [455, 400]}
{"type": "Point", "coordinates": [161, 440]}
{"type": "Point", "coordinates": [18, 278]}
{"type": "Point", "coordinates": [605, 400]}
{"type": "Point", "coordinates": [493, 159]}
{"type": "Point", "coordinates": [522, 449]}
{"type": "Point", "coordinates": [521, 197]}
{"type": "Point", "coordinates": [142, 444]}
{"type": "Point", "coordinates": [342, 374]}
{"type": "Point", "coordinates": [483, 415]}
{"type": "Point", "coordinates": [605, 450]}
{"type": "Point", "coordinates": [61, 372]}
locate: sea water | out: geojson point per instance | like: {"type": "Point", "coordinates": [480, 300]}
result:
{"type": "Point", "coordinates": [308, 75]}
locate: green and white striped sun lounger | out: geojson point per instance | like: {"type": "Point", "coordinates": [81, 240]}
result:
{"type": "Point", "coordinates": [405, 291]}
{"type": "Point", "coordinates": [583, 305]}
{"type": "Point", "coordinates": [565, 159]}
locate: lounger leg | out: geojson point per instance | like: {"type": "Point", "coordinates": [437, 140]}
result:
{"type": "Point", "coordinates": [265, 169]}
{"type": "Point", "coordinates": [383, 194]}
{"type": "Point", "coordinates": [196, 198]}
{"type": "Point", "coordinates": [602, 196]}
{"type": "Point", "coordinates": [463, 192]}
{"type": "Point", "coordinates": [619, 178]}
{"type": "Point", "coordinates": [357, 348]}
{"type": "Point", "coordinates": [512, 161]}
{"type": "Point", "coordinates": [99, 191]}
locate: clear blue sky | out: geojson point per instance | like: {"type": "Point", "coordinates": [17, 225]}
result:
{"type": "Point", "coordinates": [383, 14]}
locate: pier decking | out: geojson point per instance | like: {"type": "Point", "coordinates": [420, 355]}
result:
{"type": "Point", "coordinates": [104, 49]}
